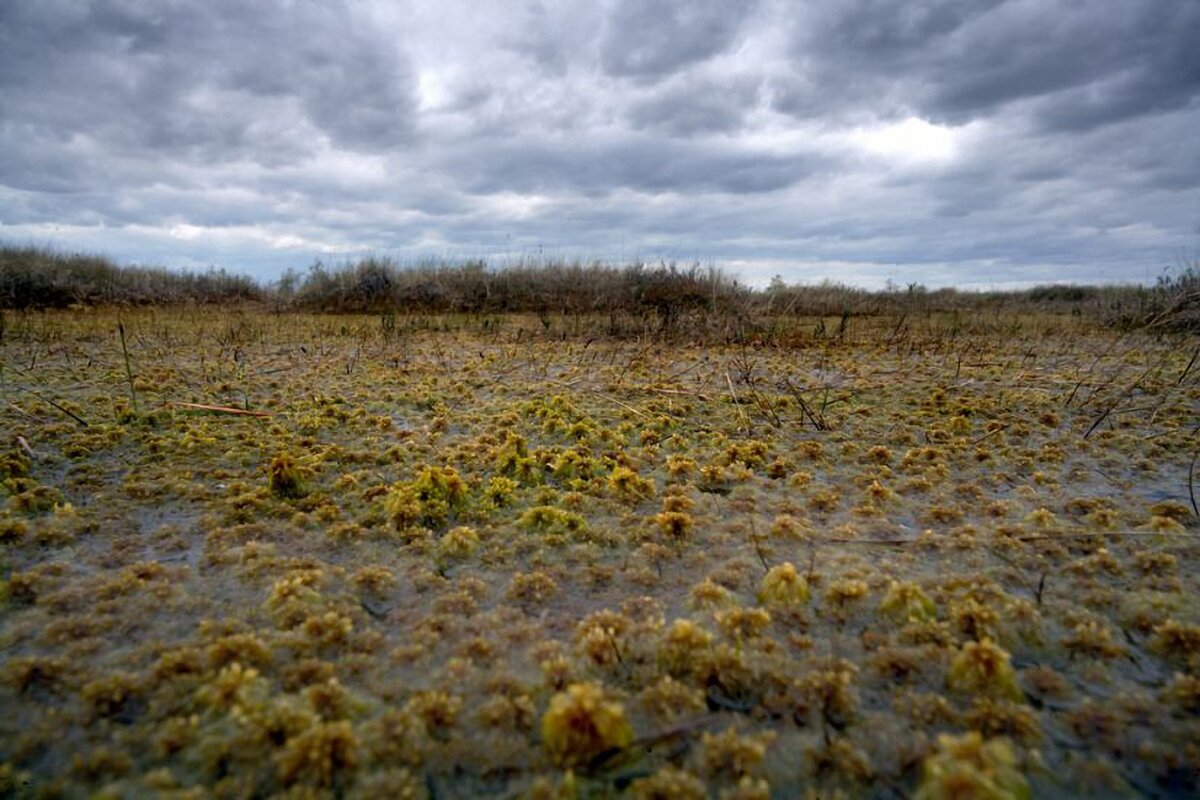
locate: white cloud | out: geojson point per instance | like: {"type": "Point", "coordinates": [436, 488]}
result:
{"type": "Point", "coordinates": [912, 140]}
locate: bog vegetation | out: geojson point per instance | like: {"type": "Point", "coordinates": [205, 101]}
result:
{"type": "Point", "coordinates": [578, 531]}
{"type": "Point", "coordinates": [638, 299]}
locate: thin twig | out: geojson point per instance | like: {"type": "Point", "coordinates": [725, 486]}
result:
{"type": "Point", "coordinates": [128, 367]}
{"type": "Point", "coordinates": [1034, 538]}
{"type": "Point", "coordinates": [1126, 534]}
{"type": "Point", "coordinates": [25, 446]}
{"type": "Point", "coordinates": [240, 412]}
{"type": "Point", "coordinates": [1191, 363]}
{"type": "Point", "coordinates": [1192, 484]}
{"type": "Point", "coordinates": [1112, 406]}
{"type": "Point", "coordinates": [990, 434]}
{"type": "Point", "coordinates": [44, 399]}
{"type": "Point", "coordinates": [21, 411]}
{"type": "Point", "coordinates": [738, 403]}
{"type": "Point", "coordinates": [758, 546]}
{"type": "Point", "coordinates": [816, 418]}
{"type": "Point", "coordinates": [682, 392]}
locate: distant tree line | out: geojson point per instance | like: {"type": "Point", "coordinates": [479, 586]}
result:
{"type": "Point", "coordinates": [663, 296]}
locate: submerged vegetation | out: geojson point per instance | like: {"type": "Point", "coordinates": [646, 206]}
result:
{"type": "Point", "coordinates": [598, 552]}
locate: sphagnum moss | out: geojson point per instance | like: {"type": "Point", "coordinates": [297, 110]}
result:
{"type": "Point", "coordinates": [583, 723]}
{"type": "Point", "coordinates": [875, 545]}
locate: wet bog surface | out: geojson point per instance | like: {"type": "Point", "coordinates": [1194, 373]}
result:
{"type": "Point", "coordinates": [317, 556]}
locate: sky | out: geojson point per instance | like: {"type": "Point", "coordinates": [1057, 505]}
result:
{"type": "Point", "coordinates": [976, 143]}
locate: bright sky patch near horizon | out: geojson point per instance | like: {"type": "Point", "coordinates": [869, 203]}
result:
{"type": "Point", "coordinates": [976, 143]}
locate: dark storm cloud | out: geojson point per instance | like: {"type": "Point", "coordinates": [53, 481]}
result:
{"type": "Point", "coordinates": [697, 106]}
{"type": "Point", "coordinates": [203, 82]}
{"type": "Point", "coordinates": [644, 164]}
{"type": "Point", "coordinates": [651, 39]}
{"type": "Point", "coordinates": [1090, 61]}
{"type": "Point", "coordinates": [934, 140]}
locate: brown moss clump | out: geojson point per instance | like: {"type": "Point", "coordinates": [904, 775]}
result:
{"type": "Point", "coordinates": [628, 485]}
{"type": "Point", "coordinates": [674, 525]}
{"type": "Point", "coordinates": [708, 594]}
{"type": "Point", "coordinates": [730, 755]}
{"type": "Point", "coordinates": [12, 531]}
{"type": "Point", "coordinates": [897, 664]}
{"type": "Point", "coordinates": [906, 601]}
{"type": "Point", "coordinates": [458, 544]}
{"type": "Point", "coordinates": [994, 718]}
{"type": "Point", "coordinates": [843, 594]}
{"type": "Point", "coordinates": [429, 499]}
{"type": "Point", "coordinates": [508, 711]}
{"type": "Point", "coordinates": [974, 620]}
{"type": "Point", "coordinates": [39, 676]}
{"type": "Point", "coordinates": [532, 588]}
{"type": "Point", "coordinates": [320, 754]}
{"type": "Point", "coordinates": [668, 698]}
{"type": "Point", "coordinates": [240, 647]}
{"type": "Point", "coordinates": [437, 710]}
{"type": "Point", "coordinates": [878, 455]}
{"type": "Point", "coordinates": [552, 520]}
{"type": "Point", "coordinates": [1182, 695]}
{"type": "Point", "coordinates": [786, 526]}
{"type": "Point", "coordinates": [582, 723]}
{"type": "Point", "coordinates": [330, 629]}
{"type": "Point", "coordinates": [824, 500]}
{"type": "Point", "coordinates": [1178, 642]}
{"type": "Point", "coordinates": [284, 477]}
{"type": "Point", "coordinates": [841, 760]}
{"type": "Point", "coordinates": [680, 466]}
{"type": "Point", "coordinates": [669, 784]}
{"type": "Point", "coordinates": [983, 668]}
{"type": "Point", "coordinates": [1092, 638]}
{"type": "Point", "coordinates": [828, 691]}
{"type": "Point", "coordinates": [118, 695]}
{"type": "Point", "coordinates": [600, 637]}
{"type": "Point", "coordinates": [741, 624]}
{"type": "Point", "coordinates": [684, 647]}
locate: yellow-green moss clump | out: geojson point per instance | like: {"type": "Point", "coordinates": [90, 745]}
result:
{"type": "Point", "coordinates": [783, 587]}
{"type": "Point", "coordinates": [970, 766]}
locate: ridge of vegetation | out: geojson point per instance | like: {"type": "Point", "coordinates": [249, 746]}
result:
{"type": "Point", "coordinates": [638, 297]}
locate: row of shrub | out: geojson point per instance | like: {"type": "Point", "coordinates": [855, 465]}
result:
{"type": "Point", "coordinates": [32, 277]}
{"type": "Point", "coordinates": [665, 294]}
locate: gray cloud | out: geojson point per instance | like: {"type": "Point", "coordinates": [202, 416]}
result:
{"type": "Point", "coordinates": [651, 39]}
{"type": "Point", "coordinates": [204, 83]}
{"type": "Point", "coordinates": [697, 106]}
{"type": "Point", "coordinates": [1092, 61]}
{"type": "Point", "coordinates": [642, 164]}
{"type": "Point", "coordinates": [945, 140]}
